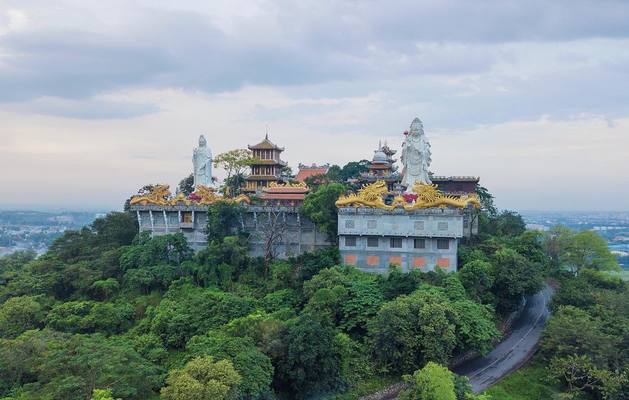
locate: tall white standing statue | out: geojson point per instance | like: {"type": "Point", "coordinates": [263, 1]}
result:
{"type": "Point", "coordinates": [415, 156]}
{"type": "Point", "coordinates": [202, 162]}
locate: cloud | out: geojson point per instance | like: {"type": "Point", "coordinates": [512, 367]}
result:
{"type": "Point", "coordinates": [102, 97]}
{"type": "Point", "coordinates": [94, 50]}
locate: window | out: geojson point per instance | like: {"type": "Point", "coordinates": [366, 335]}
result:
{"type": "Point", "coordinates": [350, 241]}
{"type": "Point", "coordinates": [443, 226]}
{"type": "Point", "coordinates": [372, 242]}
{"type": "Point", "coordinates": [443, 244]}
{"type": "Point", "coordinates": [186, 217]}
{"type": "Point", "coordinates": [396, 243]}
{"type": "Point", "coordinates": [419, 243]}
{"type": "Point", "coordinates": [372, 224]}
{"type": "Point", "coordinates": [419, 225]}
{"type": "Point", "coordinates": [349, 224]}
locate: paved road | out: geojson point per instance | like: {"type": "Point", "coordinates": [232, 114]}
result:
{"type": "Point", "coordinates": [507, 356]}
{"type": "Point", "coordinates": [513, 351]}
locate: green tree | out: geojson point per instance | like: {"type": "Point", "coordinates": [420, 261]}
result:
{"type": "Point", "coordinates": [486, 200]}
{"type": "Point", "coordinates": [572, 331]}
{"type": "Point", "coordinates": [477, 278]}
{"type": "Point", "coordinates": [353, 169]}
{"type": "Point", "coordinates": [89, 317]}
{"type": "Point", "coordinates": [72, 366]}
{"type": "Point", "coordinates": [19, 314]}
{"type": "Point", "coordinates": [223, 219]}
{"type": "Point", "coordinates": [252, 365]}
{"type": "Point", "coordinates": [170, 249]}
{"type": "Point", "coordinates": [102, 394]}
{"type": "Point", "coordinates": [186, 185]}
{"type": "Point", "coordinates": [309, 362]}
{"type": "Point", "coordinates": [433, 382]}
{"type": "Point", "coordinates": [104, 289]}
{"type": "Point", "coordinates": [201, 379]}
{"type": "Point", "coordinates": [235, 163]}
{"type": "Point", "coordinates": [515, 277]}
{"type": "Point", "coordinates": [320, 207]}
{"type": "Point", "coordinates": [187, 310]}
{"type": "Point", "coordinates": [411, 330]}
{"type": "Point", "coordinates": [588, 250]}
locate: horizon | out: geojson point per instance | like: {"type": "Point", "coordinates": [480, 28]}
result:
{"type": "Point", "coordinates": [97, 101]}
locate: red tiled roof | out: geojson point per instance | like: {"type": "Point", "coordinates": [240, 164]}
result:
{"type": "Point", "coordinates": [308, 172]}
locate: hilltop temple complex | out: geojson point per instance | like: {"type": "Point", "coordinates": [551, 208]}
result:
{"type": "Point", "coordinates": [412, 219]}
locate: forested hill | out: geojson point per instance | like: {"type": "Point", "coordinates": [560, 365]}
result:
{"type": "Point", "coordinates": [108, 314]}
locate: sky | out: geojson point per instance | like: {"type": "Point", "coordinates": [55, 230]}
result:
{"type": "Point", "coordinates": [99, 98]}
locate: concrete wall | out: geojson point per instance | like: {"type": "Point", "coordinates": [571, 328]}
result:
{"type": "Point", "coordinates": [428, 239]}
{"type": "Point", "coordinates": [295, 234]}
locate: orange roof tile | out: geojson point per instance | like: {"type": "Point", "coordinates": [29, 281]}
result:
{"type": "Point", "coordinates": [308, 172]}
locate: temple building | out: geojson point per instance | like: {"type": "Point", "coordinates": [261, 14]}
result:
{"type": "Point", "coordinates": [288, 194]}
{"type": "Point", "coordinates": [422, 239]}
{"type": "Point", "coordinates": [412, 219]}
{"type": "Point", "coordinates": [409, 221]}
{"type": "Point", "coordinates": [267, 167]}
{"type": "Point", "coordinates": [382, 167]}
{"type": "Point", "coordinates": [307, 171]}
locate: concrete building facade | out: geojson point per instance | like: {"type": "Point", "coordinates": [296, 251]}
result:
{"type": "Point", "coordinates": [426, 239]}
{"type": "Point", "coordinates": [277, 229]}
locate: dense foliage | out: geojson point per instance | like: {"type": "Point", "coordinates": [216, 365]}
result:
{"type": "Point", "coordinates": [107, 313]}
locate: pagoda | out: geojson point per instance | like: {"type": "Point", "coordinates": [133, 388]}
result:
{"type": "Point", "coordinates": [266, 167]}
{"type": "Point", "coordinates": [382, 167]}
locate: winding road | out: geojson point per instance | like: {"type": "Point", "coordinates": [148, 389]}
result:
{"type": "Point", "coordinates": [515, 349]}
{"type": "Point", "coordinates": [511, 353]}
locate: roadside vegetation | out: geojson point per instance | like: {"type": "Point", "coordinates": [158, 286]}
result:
{"type": "Point", "coordinates": [108, 314]}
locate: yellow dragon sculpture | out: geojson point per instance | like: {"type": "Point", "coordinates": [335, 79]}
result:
{"type": "Point", "coordinates": [428, 196]}
{"type": "Point", "coordinates": [159, 195]}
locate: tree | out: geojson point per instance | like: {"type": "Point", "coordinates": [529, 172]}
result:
{"type": "Point", "coordinates": [188, 310]}
{"type": "Point", "coordinates": [588, 250]}
{"type": "Point", "coordinates": [310, 361]}
{"type": "Point", "coordinates": [223, 219]}
{"type": "Point", "coordinates": [102, 394]}
{"type": "Point", "coordinates": [201, 379]}
{"type": "Point", "coordinates": [411, 330]}
{"type": "Point", "coordinates": [19, 314]}
{"type": "Point", "coordinates": [433, 382]}
{"type": "Point", "coordinates": [486, 200]}
{"type": "Point", "coordinates": [235, 163]}
{"type": "Point", "coordinates": [572, 331]}
{"type": "Point", "coordinates": [578, 373]}
{"type": "Point", "coordinates": [353, 169]}
{"type": "Point", "coordinates": [273, 228]}
{"type": "Point", "coordinates": [103, 289]}
{"type": "Point", "coordinates": [172, 249]}
{"type": "Point", "coordinates": [320, 207]}
{"type": "Point", "coordinates": [515, 277]}
{"type": "Point", "coordinates": [475, 327]}
{"type": "Point", "coordinates": [72, 366]}
{"type": "Point", "coordinates": [186, 185]}
{"type": "Point", "coordinates": [252, 365]}
{"type": "Point", "coordinates": [477, 278]}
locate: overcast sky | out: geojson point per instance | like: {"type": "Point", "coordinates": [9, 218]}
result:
{"type": "Point", "coordinates": [98, 98]}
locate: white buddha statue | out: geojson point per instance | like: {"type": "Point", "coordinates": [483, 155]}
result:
{"type": "Point", "coordinates": [415, 156]}
{"type": "Point", "coordinates": [202, 162]}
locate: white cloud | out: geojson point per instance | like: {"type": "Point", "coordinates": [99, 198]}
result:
{"type": "Point", "coordinates": [102, 97]}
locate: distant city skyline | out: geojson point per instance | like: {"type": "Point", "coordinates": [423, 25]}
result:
{"type": "Point", "coordinates": [98, 99]}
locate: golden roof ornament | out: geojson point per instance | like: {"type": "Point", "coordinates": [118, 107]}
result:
{"type": "Point", "coordinates": [426, 196]}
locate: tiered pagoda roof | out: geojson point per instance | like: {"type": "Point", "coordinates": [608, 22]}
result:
{"type": "Point", "coordinates": [266, 144]}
